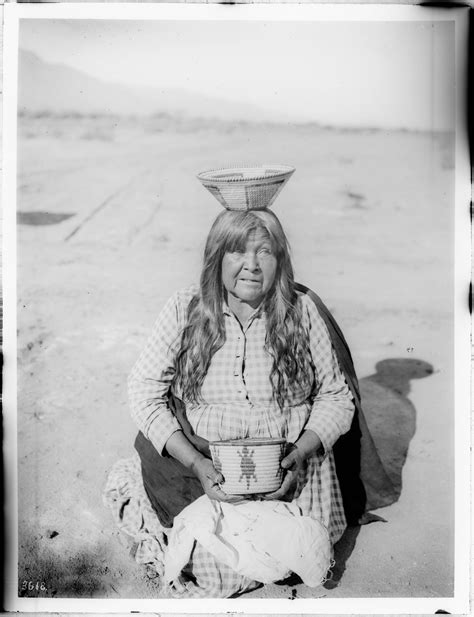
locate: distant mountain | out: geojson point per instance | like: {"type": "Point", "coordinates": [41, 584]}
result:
{"type": "Point", "coordinates": [59, 88]}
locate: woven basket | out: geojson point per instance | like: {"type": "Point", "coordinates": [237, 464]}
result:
{"type": "Point", "coordinates": [249, 465]}
{"type": "Point", "coordinates": [246, 188]}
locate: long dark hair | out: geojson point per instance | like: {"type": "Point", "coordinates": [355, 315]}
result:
{"type": "Point", "coordinates": [204, 332]}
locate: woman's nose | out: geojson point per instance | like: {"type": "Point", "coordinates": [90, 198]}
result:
{"type": "Point", "coordinates": [251, 261]}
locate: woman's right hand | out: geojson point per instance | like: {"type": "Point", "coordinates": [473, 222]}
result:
{"type": "Point", "coordinates": [179, 447]}
{"type": "Point", "coordinates": [211, 479]}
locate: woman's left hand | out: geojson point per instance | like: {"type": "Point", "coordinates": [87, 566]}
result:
{"type": "Point", "coordinates": [292, 463]}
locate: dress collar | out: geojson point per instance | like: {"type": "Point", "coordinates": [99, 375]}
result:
{"type": "Point", "coordinates": [255, 313]}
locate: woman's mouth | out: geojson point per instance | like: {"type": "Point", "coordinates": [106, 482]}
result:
{"type": "Point", "coordinates": [250, 281]}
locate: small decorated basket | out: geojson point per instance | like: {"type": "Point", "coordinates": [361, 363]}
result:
{"type": "Point", "coordinates": [249, 465]}
{"type": "Point", "coordinates": [246, 188]}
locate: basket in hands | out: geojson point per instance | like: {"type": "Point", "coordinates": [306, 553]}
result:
{"type": "Point", "coordinates": [246, 188]}
{"type": "Point", "coordinates": [249, 466]}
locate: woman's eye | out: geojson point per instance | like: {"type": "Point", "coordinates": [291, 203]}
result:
{"type": "Point", "coordinates": [265, 251]}
{"type": "Point", "coordinates": [235, 255]}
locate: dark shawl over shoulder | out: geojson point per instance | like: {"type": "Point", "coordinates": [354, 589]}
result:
{"type": "Point", "coordinates": [362, 477]}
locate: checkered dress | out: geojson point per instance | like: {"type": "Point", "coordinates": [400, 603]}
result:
{"type": "Point", "coordinates": [239, 403]}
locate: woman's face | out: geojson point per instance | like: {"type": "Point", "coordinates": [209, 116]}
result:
{"type": "Point", "coordinates": [248, 274]}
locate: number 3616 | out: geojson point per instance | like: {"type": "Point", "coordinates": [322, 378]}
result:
{"type": "Point", "coordinates": [33, 586]}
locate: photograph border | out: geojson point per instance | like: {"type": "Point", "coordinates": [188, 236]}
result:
{"type": "Point", "coordinates": [459, 603]}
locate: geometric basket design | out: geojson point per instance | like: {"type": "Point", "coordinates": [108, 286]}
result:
{"type": "Point", "coordinates": [249, 465]}
{"type": "Point", "coordinates": [246, 188]}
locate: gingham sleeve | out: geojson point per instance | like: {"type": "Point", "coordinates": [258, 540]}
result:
{"type": "Point", "coordinates": [150, 379]}
{"type": "Point", "coordinates": [332, 408]}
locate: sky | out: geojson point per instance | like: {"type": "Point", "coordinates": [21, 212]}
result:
{"type": "Point", "coordinates": [381, 74]}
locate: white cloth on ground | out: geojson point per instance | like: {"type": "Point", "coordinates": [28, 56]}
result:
{"type": "Point", "coordinates": [140, 528]}
{"type": "Point", "coordinates": [263, 540]}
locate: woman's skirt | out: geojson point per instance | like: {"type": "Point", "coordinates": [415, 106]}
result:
{"type": "Point", "coordinates": [146, 493]}
{"type": "Point", "coordinates": [146, 537]}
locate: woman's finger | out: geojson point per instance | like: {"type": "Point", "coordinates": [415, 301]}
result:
{"type": "Point", "coordinates": [277, 495]}
{"type": "Point", "coordinates": [290, 460]}
{"type": "Point", "coordinates": [216, 477]}
{"type": "Point", "coordinates": [231, 498]}
{"type": "Point", "coordinates": [210, 473]}
{"type": "Point", "coordinates": [283, 490]}
{"type": "Point", "coordinates": [236, 498]}
{"type": "Point", "coordinates": [215, 492]}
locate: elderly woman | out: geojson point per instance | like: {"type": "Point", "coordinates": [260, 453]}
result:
{"type": "Point", "coordinates": [244, 355]}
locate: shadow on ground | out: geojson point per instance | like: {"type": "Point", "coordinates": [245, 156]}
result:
{"type": "Point", "coordinates": [42, 218]}
{"type": "Point", "coordinates": [391, 419]}
{"type": "Point", "coordinates": [44, 571]}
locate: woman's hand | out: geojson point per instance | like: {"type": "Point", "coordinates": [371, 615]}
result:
{"type": "Point", "coordinates": [211, 479]}
{"type": "Point", "coordinates": [294, 461]}
{"type": "Point", "coordinates": [292, 464]}
{"type": "Point", "coordinates": [182, 450]}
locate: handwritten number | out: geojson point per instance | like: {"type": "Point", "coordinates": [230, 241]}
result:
{"type": "Point", "coordinates": [33, 586]}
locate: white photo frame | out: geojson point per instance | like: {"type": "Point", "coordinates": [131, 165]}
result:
{"type": "Point", "coordinates": [17, 247]}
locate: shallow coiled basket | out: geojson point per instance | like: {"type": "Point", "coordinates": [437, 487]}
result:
{"type": "Point", "coordinates": [249, 466]}
{"type": "Point", "coordinates": [246, 188]}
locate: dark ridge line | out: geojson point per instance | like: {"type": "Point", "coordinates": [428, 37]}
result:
{"type": "Point", "coordinates": [183, 120]}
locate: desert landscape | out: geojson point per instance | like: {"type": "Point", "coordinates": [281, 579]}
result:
{"type": "Point", "coordinates": [112, 220]}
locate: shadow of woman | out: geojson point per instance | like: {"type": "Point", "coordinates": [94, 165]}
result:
{"type": "Point", "coordinates": [390, 423]}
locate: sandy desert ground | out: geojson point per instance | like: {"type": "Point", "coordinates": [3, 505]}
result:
{"type": "Point", "coordinates": [112, 221]}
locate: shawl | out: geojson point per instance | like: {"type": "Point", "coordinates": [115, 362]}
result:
{"type": "Point", "coordinates": [364, 482]}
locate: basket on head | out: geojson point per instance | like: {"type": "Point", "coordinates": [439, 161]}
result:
{"type": "Point", "coordinates": [246, 188]}
{"type": "Point", "coordinates": [249, 465]}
